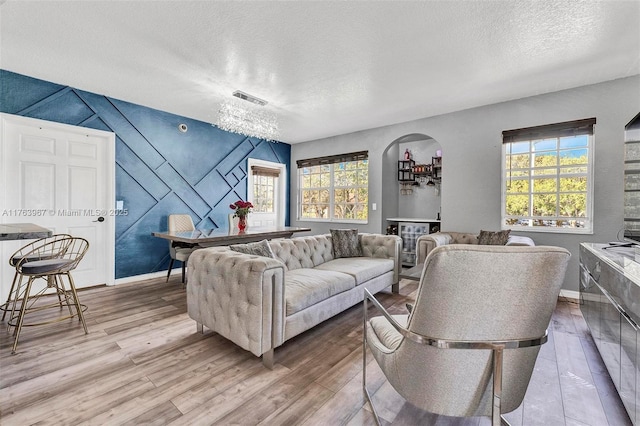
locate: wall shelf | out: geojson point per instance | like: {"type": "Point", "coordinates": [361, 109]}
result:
{"type": "Point", "coordinates": [405, 171]}
{"type": "Point", "coordinates": [408, 170]}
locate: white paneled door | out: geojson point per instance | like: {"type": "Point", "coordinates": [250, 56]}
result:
{"type": "Point", "coordinates": [266, 186]}
{"type": "Point", "coordinates": [60, 177]}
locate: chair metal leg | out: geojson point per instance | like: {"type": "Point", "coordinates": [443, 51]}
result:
{"type": "Point", "coordinates": [52, 282]}
{"type": "Point", "coordinates": [496, 408]}
{"type": "Point", "coordinates": [19, 296]}
{"type": "Point", "coordinates": [56, 282]}
{"type": "Point", "coordinates": [364, 364]}
{"type": "Point", "coordinates": [23, 309]}
{"type": "Point", "coordinates": [169, 270]}
{"type": "Point", "coordinates": [184, 268]}
{"type": "Point", "coordinates": [5, 307]}
{"type": "Point", "coordinates": [77, 302]}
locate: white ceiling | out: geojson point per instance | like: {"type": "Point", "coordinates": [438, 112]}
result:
{"type": "Point", "coordinates": [326, 67]}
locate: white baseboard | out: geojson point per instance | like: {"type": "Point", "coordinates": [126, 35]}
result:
{"type": "Point", "coordinates": [570, 294]}
{"type": "Point", "coordinates": [148, 276]}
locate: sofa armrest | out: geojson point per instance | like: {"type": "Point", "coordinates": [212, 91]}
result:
{"type": "Point", "coordinates": [239, 296]}
{"type": "Point", "coordinates": [383, 246]}
{"type": "Point", "coordinates": [426, 243]}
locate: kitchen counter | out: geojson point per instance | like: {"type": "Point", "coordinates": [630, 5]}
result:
{"type": "Point", "coordinates": [610, 304]}
{"type": "Point", "coordinates": [412, 219]}
{"type": "Point", "coordinates": [23, 231]}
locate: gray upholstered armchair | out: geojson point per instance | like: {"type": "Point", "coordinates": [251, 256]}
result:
{"type": "Point", "coordinates": [426, 243]}
{"type": "Point", "coordinates": [469, 345]}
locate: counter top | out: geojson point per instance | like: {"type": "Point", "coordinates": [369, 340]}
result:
{"type": "Point", "coordinates": [618, 275]}
{"type": "Point", "coordinates": [23, 231]}
{"type": "Point", "coordinates": [414, 219]}
{"type": "Point", "coordinates": [620, 258]}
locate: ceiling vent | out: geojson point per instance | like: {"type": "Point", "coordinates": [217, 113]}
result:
{"type": "Point", "coordinates": [247, 97]}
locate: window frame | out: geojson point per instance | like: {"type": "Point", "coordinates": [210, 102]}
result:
{"type": "Point", "coordinates": [280, 199]}
{"type": "Point", "coordinates": [332, 162]}
{"type": "Point", "coordinates": [270, 186]}
{"type": "Point", "coordinates": [537, 134]}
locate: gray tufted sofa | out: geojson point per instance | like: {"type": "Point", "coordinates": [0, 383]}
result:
{"type": "Point", "coordinates": [426, 243]}
{"type": "Point", "coordinates": [260, 302]}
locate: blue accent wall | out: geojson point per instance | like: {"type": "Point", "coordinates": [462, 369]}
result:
{"type": "Point", "coordinates": [159, 170]}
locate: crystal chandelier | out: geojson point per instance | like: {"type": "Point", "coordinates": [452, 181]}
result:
{"type": "Point", "coordinates": [247, 121]}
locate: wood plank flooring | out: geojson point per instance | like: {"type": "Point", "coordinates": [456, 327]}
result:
{"type": "Point", "coordinates": [144, 363]}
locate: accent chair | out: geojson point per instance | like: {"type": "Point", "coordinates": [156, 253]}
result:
{"type": "Point", "coordinates": [469, 345]}
{"type": "Point", "coordinates": [179, 223]}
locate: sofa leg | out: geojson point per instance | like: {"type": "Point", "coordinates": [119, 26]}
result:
{"type": "Point", "coordinates": [200, 327]}
{"type": "Point", "coordinates": [267, 359]}
{"type": "Point", "coordinates": [395, 288]}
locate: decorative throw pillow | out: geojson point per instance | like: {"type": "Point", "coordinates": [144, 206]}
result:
{"type": "Point", "coordinates": [499, 238]}
{"type": "Point", "coordinates": [345, 243]}
{"type": "Point", "coordinates": [261, 248]}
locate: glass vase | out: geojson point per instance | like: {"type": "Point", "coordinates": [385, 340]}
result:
{"type": "Point", "coordinates": [242, 223]}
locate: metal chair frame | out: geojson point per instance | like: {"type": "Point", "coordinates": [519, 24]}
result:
{"type": "Point", "coordinates": [22, 253]}
{"type": "Point", "coordinates": [68, 249]}
{"type": "Point", "coordinates": [496, 346]}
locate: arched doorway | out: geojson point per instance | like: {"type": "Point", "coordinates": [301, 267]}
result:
{"type": "Point", "coordinates": [423, 201]}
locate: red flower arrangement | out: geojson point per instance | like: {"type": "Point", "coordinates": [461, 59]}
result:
{"type": "Point", "coordinates": [242, 208]}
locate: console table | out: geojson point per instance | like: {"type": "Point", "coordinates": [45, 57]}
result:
{"type": "Point", "coordinates": [610, 304]}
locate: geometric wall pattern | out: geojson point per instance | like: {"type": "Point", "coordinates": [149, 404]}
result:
{"type": "Point", "coordinates": [159, 170]}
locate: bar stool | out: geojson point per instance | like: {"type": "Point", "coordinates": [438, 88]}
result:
{"type": "Point", "coordinates": [55, 260]}
{"type": "Point", "coordinates": [22, 253]}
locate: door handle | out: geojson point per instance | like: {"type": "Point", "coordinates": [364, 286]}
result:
{"type": "Point", "coordinates": [99, 219]}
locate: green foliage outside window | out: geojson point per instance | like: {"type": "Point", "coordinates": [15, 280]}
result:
{"type": "Point", "coordinates": [546, 183]}
{"type": "Point", "coordinates": [335, 192]}
{"type": "Point", "coordinates": [263, 193]}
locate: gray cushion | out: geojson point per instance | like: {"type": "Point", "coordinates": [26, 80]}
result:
{"type": "Point", "coordinates": [261, 248]}
{"type": "Point", "coordinates": [388, 335]}
{"type": "Point", "coordinates": [182, 254]}
{"type": "Point", "coordinates": [305, 287]}
{"type": "Point", "coordinates": [362, 269]}
{"type": "Point", "coordinates": [44, 266]}
{"type": "Point", "coordinates": [499, 238]}
{"type": "Point", "coordinates": [345, 243]}
{"type": "Point", "coordinates": [30, 258]}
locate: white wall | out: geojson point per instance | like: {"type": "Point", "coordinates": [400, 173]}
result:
{"type": "Point", "coordinates": [424, 201]}
{"type": "Point", "coordinates": [471, 145]}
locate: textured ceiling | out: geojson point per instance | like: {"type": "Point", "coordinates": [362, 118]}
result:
{"type": "Point", "coordinates": [325, 67]}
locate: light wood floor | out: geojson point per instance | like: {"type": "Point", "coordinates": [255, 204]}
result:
{"type": "Point", "coordinates": [144, 363]}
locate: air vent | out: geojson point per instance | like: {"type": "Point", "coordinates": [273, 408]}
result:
{"type": "Point", "coordinates": [247, 97]}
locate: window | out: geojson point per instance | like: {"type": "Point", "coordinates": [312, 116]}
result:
{"type": "Point", "coordinates": [334, 188]}
{"type": "Point", "coordinates": [547, 177]}
{"type": "Point", "coordinates": [264, 189]}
